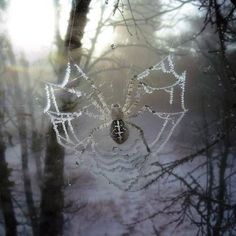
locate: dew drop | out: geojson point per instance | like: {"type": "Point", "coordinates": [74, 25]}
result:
{"type": "Point", "coordinates": [113, 46]}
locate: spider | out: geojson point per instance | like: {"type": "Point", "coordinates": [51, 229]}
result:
{"type": "Point", "coordinates": [117, 117]}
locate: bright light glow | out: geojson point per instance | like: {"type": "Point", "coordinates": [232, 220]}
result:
{"type": "Point", "coordinates": [31, 24]}
{"type": "Point", "coordinates": [105, 35]}
{"type": "Point", "coordinates": [65, 8]}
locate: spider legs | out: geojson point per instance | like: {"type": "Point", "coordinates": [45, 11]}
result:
{"type": "Point", "coordinates": [82, 145]}
{"type": "Point", "coordinates": [96, 95]}
{"type": "Point", "coordinates": [100, 127]}
{"type": "Point", "coordinates": [170, 121]}
{"type": "Point", "coordinates": [94, 130]}
{"type": "Point", "coordinates": [141, 135]}
{"type": "Point", "coordinates": [128, 107]}
{"type": "Point", "coordinates": [136, 100]}
{"type": "Point", "coordinates": [143, 109]}
{"type": "Point", "coordinates": [129, 95]}
{"type": "Point", "coordinates": [85, 111]}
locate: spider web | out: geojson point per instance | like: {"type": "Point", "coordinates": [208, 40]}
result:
{"type": "Point", "coordinates": [125, 166]}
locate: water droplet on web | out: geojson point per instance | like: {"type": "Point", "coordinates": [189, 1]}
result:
{"type": "Point", "coordinates": [113, 46]}
{"type": "Point", "coordinates": [115, 149]}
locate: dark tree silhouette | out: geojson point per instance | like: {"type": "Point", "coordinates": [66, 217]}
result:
{"type": "Point", "coordinates": [5, 184]}
{"type": "Point", "coordinates": [52, 200]}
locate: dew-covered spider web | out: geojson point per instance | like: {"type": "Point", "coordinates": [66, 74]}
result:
{"type": "Point", "coordinates": [80, 115]}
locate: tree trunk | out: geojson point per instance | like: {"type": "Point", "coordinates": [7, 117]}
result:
{"type": "Point", "coordinates": [77, 22]}
{"type": "Point", "coordinates": [22, 132]}
{"type": "Point", "coordinates": [52, 200]}
{"type": "Point", "coordinates": [222, 189]}
{"type": "Point", "coordinates": [5, 184]}
{"type": "Point", "coordinates": [5, 194]}
{"type": "Point", "coordinates": [35, 135]}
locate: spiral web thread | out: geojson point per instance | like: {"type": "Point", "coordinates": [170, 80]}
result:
{"type": "Point", "coordinates": [114, 165]}
{"type": "Point", "coordinates": [61, 121]}
{"type": "Point", "coordinates": [171, 119]}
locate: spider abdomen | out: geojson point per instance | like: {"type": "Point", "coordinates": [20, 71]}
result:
{"type": "Point", "coordinates": [119, 131]}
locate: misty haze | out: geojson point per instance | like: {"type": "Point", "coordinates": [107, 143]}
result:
{"type": "Point", "coordinates": [117, 117]}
